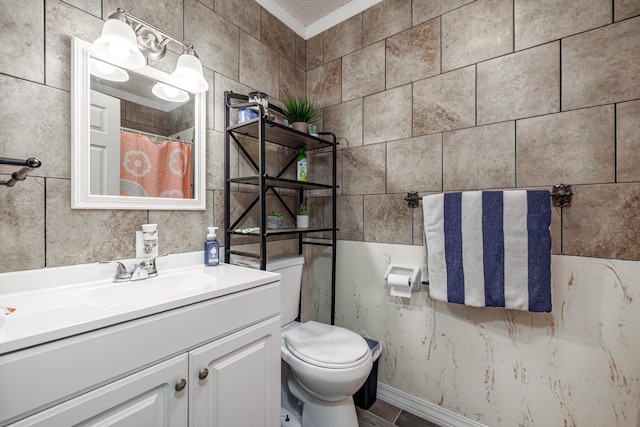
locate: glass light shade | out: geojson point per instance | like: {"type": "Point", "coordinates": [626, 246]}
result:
{"type": "Point", "coordinates": [169, 93]}
{"type": "Point", "coordinates": [118, 44]}
{"type": "Point", "coordinates": [107, 71]}
{"type": "Point", "coordinates": [188, 74]}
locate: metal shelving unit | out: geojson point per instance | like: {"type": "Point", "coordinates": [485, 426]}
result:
{"type": "Point", "coordinates": [267, 131]}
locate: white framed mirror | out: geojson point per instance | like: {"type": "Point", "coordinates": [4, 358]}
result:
{"type": "Point", "coordinates": [136, 144]}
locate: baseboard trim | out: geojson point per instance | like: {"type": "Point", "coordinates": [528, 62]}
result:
{"type": "Point", "coordinates": [424, 409]}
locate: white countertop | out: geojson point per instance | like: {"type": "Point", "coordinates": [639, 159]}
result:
{"type": "Point", "coordinates": [54, 303]}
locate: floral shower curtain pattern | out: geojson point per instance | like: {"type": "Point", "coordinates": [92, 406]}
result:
{"type": "Point", "coordinates": [149, 169]}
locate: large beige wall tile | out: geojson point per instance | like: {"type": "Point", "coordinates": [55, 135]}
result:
{"type": "Point", "coordinates": [315, 52]}
{"type": "Point", "coordinates": [574, 147]}
{"type": "Point", "coordinates": [541, 21]}
{"type": "Point", "coordinates": [242, 13]}
{"type": "Point", "coordinates": [301, 52]}
{"type": "Point", "coordinates": [82, 236]}
{"type": "Point", "coordinates": [415, 164]}
{"type": "Point", "coordinates": [215, 160]}
{"type": "Point", "coordinates": [603, 221]}
{"type": "Point", "coordinates": [183, 231]}
{"type": "Point", "coordinates": [601, 66]}
{"type": "Point", "coordinates": [385, 19]}
{"type": "Point", "coordinates": [624, 9]}
{"type": "Point", "coordinates": [292, 80]}
{"type": "Point", "coordinates": [387, 115]}
{"type": "Point", "coordinates": [480, 157]}
{"type": "Point", "coordinates": [628, 141]}
{"type": "Point", "coordinates": [345, 121]}
{"type": "Point", "coordinates": [36, 122]}
{"type": "Point", "coordinates": [324, 84]}
{"type": "Point", "coordinates": [423, 10]}
{"type": "Point", "coordinates": [344, 38]}
{"type": "Point", "coordinates": [413, 54]}
{"type": "Point", "coordinates": [444, 102]}
{"type": "Point", "coordinates": [363, 170]}
{"type": "Point", "coordinates": [258, 65]}
{"type": "Point", "coordinates": [350, 216]}
{"type": "Point", "coordinates": [523, 84]}
{"type": "Point", "coordinates": [166, 15]}
{"type": "Point", "coordinates": [221, 85]}
{"type": "Point", "coordinates": [387, 219]}
{"type": "Point", "coordinates": [277, 35]}
{"type": "Point", "coordinates": [94, 7]}
{"type": "Point", "coordinates": [475, 32]}
{"type": "Point", "coordinates": [22, 32]}
{"type": "Point", "coordinates": [215, 39]}
{"type": "Point", "coordinates": [22, 227]}
{"type": "Point", "coordinates": [62, 22]}
{"type": "Point", "coordinates": [363, 72]}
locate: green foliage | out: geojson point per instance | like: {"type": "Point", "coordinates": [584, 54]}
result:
{"type": "Point", "coordinates": [300, 110]}
{"type": "Point", "coordinates": [303, 208]}
{"type": "Point", "coordinates": [276, 213]}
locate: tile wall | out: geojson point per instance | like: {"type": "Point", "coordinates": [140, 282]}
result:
{"type": "Point", "coordinates": [434, 95]}
{"type": "Point", "coordinates": [242, 48]}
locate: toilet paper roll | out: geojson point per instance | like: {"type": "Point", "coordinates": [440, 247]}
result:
{"type": "Point", "coordinates": [398, 280]}
{"type": "Point", "coordinates": [399, 285]}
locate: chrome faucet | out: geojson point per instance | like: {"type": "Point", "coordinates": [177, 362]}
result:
{"type": "Point", "coordinates": [141, 271]}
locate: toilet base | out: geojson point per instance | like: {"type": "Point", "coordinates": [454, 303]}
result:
{"type": "Point", "coordinates": [318, 413]}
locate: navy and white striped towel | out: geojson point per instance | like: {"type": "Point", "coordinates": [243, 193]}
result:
{"type": "Point", "coordinates": [490, 248]}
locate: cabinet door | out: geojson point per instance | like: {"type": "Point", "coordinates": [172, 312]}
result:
{"type": "Point", "coordinates": [145, 399]}
{"type": "Point", "coordinates": [242, 383]}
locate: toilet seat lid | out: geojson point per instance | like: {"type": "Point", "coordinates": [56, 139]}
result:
{"type": "Point", "coordinates": [326, 346]}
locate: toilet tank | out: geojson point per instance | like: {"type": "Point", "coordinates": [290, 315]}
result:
{"type": "Point", "coordinates": [290, 267]}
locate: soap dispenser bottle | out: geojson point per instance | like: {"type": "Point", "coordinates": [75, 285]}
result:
{"type": "Point", "coordinates": [211, 248]}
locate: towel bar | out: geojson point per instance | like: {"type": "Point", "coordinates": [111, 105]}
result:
{"type": "Point", "coordinates": [30, 164]}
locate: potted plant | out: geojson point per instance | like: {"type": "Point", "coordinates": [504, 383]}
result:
{"type": "Point", "coordinates": [274, 220]}
{"type": "Point", "coordinates": [300, 112]}
{"type": "Point", "coordinates": [302, 219]}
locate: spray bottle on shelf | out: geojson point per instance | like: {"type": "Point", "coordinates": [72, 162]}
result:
{"type": "Point", "coordinates": [211, 248]}
{"type": "Point", "coordinates": [302, 165]}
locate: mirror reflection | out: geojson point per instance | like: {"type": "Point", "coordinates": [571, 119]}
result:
{"type": "Point", "coordinates": [141, 135]}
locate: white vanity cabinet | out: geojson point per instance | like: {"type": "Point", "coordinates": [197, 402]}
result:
{"type": "Point", "coordinates": [213, 363]}
{"type": "Point", "coordinates": [147, 398]}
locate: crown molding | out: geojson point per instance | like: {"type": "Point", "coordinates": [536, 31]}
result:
{"type": "Point", "coordinates": [334, 18]}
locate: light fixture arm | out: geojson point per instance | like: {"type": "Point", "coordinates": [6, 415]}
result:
{"type": "Point", "coordinates": [138, 24]}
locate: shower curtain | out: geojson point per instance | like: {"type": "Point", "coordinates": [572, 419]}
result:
{"type": "Point", "coordinates": [154, 169]}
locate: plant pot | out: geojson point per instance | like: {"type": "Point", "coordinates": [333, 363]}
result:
{"type": "Point", "coordinates": [274, 222]}
{"type": "Point", "coordinates": [300, 126]}
{"type": "Point", "coordinates": [302, 221]}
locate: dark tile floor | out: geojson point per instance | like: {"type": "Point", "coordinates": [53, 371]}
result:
{"type": "Point", "coordinates": [383, 414]}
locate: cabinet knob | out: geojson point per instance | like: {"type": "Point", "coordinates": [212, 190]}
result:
{"type": "Point", "coordinates": [203, 373]}
{"type": "Point", "coordinates": [180, 385]}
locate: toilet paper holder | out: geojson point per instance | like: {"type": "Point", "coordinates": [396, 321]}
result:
{"type": "Point", "coordinates": [412, 272]}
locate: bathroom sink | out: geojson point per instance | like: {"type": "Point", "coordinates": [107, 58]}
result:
{"type": "Point", "coordinates": [143, 292]}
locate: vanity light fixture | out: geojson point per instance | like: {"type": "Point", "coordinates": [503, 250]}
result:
{"type": "Point", "coordinates": [107, 71]}
{"type": "Point", "coordinates": [169, 93]}
{"type": "Point", "coordinates": [188, 72]}
{"type": "Point", "coordinates": [127, 41]}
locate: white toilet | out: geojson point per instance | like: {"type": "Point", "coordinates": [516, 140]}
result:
{"type": "Point", "coordinates": [324, 365]}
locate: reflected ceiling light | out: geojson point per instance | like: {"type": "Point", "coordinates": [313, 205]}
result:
{"type": "Point", "coordinates": [127, 41]}
{"type": "Point", "coordinates": [118, 42]}
{"type": "Point", "coordinates": [188, 72]}
{"type": "Point", "coordinates": [169, 93]}
{"type": "Point", "coordinates": [107, 71]}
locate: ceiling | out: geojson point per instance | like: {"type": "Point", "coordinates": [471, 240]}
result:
{"type": "Point", "coordinates": [311, 17]}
